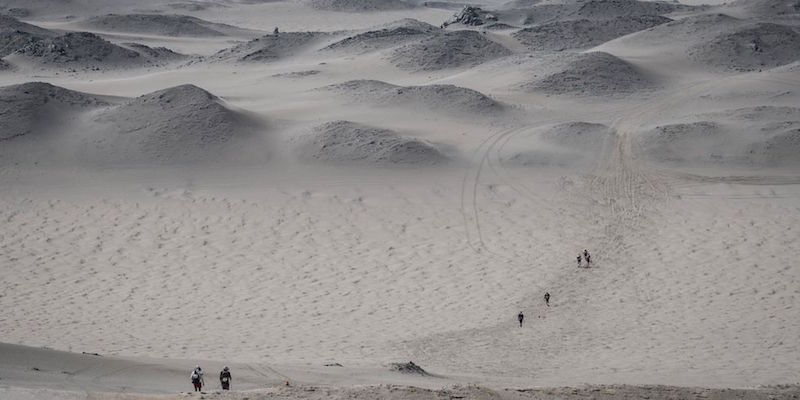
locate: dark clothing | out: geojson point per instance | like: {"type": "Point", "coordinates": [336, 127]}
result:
{"type": "Point", "coordinates": [520, 317]}
{"type": "Point", "coordinates": [225, 380]}
{"type": "Point", "coordinates": [547, 299]}
{"type": "Point", "coordinates": [197, 379]}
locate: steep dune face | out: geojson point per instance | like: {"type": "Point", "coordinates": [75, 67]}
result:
{"type": "Point", "coordinates": [448, 50]}
{"type": "Point", "coordinates": [583, 33]}
{"type": "Point", "coordinates": [752, 47]}
{"type": "Point", "coordinates": [440, 98]}
{"type": "Point", "coordinates": [36, 108]}
{"type": "Point", "coordinates": [594, 74]}
{"type": "Point", "coordinates": [341, 142]}
{"type": "Point", "coordinates": [271, 47]}
{"type": "Point", "coordinates": [180, 124]}
{"type": "Point", "coordinates": [157, 24]}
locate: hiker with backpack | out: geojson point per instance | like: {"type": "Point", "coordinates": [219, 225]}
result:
{"type": "Point", "coordinates": [588, 257]}
{"type": "Point", "coordinates": [520, 317]}
{"type": "Point", "coordinates": [225, 378]}
{"type": "Point", "coordinates": [547, 298]}
{"type": "Point", "coordinates": [197, 378]}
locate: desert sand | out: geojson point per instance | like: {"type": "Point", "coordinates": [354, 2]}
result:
{"type": "Point", "coordinates": [386, 181]}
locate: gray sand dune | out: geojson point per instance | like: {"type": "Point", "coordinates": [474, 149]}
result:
{"type": "Point", "coordinates": [87, 51]}
{"type": "Point", "coordinates": [500, 26]}
{"type": "Point", "coordinates": [695, 25]}
{"type": "Point", "coordinates": [761, 136]}
{"type": "Point", "coordinates": [349, 142]}
{"type": "Point", "coordinates": [36, 107]}
{"type": "Point", "coordinates": [547, 12]}
{"type": "Point", "coordinates": [768, 8]}
{"type": "Point", "coordinates": [195, 6]}
{"type": "Point", "coordinates": [683, 32]}
{"type": "Point", "coordinates": [579, 135]}
{"type": "Point", "coordinates": [271, 47]}
{"type": "Point", "coordinates": [594, 9]}
{"type": "Point", "coordinates": [16, 12]}
{"type": "Point", "coordinates": [71, 8]}
{"type": "Point", "coordinates": [9, 23]}
{"type": "Point", "coordinates": [440, 98]}
{"type": "Point", "coordinates": [179, 124]}
{"type": "Point", "coordinates": [543, 13]}
{"type": "Point", "coordinates": [752, 47]}
{"type": "Point", "coordinates": [568, 144]}
{"type": "Point", "coordinates": [359, 5]}
{"type": "Point", "coordinates": [156, 53]}
{"type": "Point", "coordinates": [448, 50]}
{"type": "Point", "coordinates": [391, 35]}
{"type": "Point", "coordinates": [780, 149]}
{"type": "Point", "coordinates": [159, 24]}
{"type": "Point", "coordinates": [15, 34]}
{"type": "Point", "coordinates": [409, 23]}
{"type": "Point", "coordinates": [11, 41]}
{"type": "Point", "coordinates": [683, 142]}
{"type": "Point", "coordinates": [583, 33]}
{"type": "Point", "coordinates": [761, 113]}
{"type": "Point", "coordinates": [4, 66]}
{"type": "Point", "coordinates": [519, 4]}
{"type": "Point", "coordinates": [594, 74]}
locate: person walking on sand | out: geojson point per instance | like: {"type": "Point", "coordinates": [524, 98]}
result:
{"type": "Point", "coordinates": [225, 378]}
{"type": "Point", "coordinates": [588, 257]}
{"type": "Point", "coordinates": [579, 260]}
{"type": "Point", "coordinates": [547, 298]}
{"type": "Point", "coordinates": [197, 378]}
{"type": "Point", "coordinates": [520, 317]}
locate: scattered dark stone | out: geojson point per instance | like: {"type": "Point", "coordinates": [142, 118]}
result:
{"type": "Point", "coordinates": [408, 368]}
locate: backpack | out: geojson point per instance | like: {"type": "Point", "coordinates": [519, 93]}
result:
{"type": "Point", "coordinates": [195, 377]}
